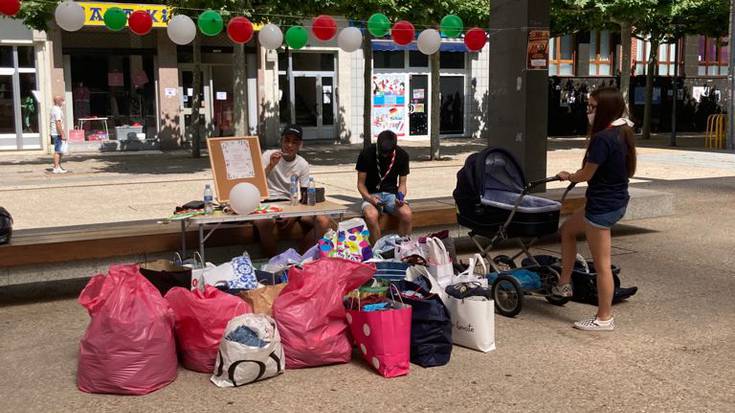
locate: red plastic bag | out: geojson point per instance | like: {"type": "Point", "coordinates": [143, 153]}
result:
{"type": "Point", "coordinates": [129, 345]}
{"type": "Point", "coordinates": [310, 314]}
{"type": "Point", "coordinates": [201, 318]}
{"type": "Point", "coordinates": [384, 338]}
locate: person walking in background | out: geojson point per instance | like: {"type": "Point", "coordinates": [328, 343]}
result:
{"type": "Point", "coordinates": [382, 171]}
{"type": "Point", "coordinates": [608, 164]}
{"type": "Point", "coordinates": [58, 137]}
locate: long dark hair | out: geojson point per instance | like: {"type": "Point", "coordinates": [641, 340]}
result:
{"type": "Point", "coordinates": [610, 107]}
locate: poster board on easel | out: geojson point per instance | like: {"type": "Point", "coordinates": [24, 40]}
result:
{"type": "Point", "coordinates": [235, 160]}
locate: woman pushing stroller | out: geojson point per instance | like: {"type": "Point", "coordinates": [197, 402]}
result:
{"type": "Point", "coordinates": [609, 162]}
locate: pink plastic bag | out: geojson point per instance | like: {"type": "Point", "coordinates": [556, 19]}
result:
{"type": "Point", "coordinates": [129, 345]}
{"type": "Point", "coordinates": [310, 314]}
{"type": "Point", "coordinates": [384, 338]}
{"type": "Point", "coordinates": [201, 318]}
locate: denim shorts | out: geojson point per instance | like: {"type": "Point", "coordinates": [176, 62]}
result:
{"type": "Point", "coordinates": [606, 219]}
{"type": "Point", "coordinates": [57, 143]}
{"type": "Point", "coordinates": [387, 200]}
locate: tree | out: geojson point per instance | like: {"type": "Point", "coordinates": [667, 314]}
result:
{"type": "Point", "coordinates": [423, 14]}
{"type": "Point", "coordinates": [658, 21]}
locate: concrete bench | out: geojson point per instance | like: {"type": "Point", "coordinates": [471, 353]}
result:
{"type": "Point", "coordinates": [48, 249]}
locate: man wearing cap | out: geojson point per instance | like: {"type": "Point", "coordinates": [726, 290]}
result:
{"type": "Point", "coordinates": [280, 165]}
{"type": "Point", "coordinates": [382, 171]}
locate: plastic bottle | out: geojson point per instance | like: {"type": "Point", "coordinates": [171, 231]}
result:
{"type": "Point", "coordinates": [311, 192]}
{"type": "Point", "coordinates": [208, 199]}
{"type": "Point", "coordinates": [294, 190]}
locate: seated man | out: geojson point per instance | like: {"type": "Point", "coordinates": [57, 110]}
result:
{"type": "Point", "coordinates": [281, 165]}
{"type": "Point", "coordinates": [382, 170]}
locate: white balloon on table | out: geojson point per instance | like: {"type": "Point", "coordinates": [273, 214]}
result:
{"type": "Point", "coordinates": [244, 198]}
{"type": "Point", "coordinates": [181, 29]}
{"type": "Point", "coordinates": [429, 41]}
{"type": "Point", "coordinates": [270, 36]}
{"type": "Point", "coordinates": [69, 15]}
{"type": "Point", "coordinates": [349, 39]}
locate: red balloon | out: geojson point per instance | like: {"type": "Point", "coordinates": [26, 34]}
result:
{"type": "Point", "coordinates": [403, 33]}
{"type": "Point", "coordinates": [140, 22]}
{"type": "Point", "coordinates": [240, 30]}
{"type": "Point", "coordinates": [9, 7]}
{"type": "Point", "coordinates": [475, 39]}
{"type": "Point", "coordinates": [324, 27]}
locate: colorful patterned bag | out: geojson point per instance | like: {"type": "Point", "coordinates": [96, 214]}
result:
{"type": "Point", "coordinates": [351, 241]}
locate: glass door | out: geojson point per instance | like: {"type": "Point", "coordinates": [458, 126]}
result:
{"type": "Point", "coordinates": [418, 109]}
{"type": "Point", "coordinates": [186, 81]}
{"type": "Point", "coordinates": [452, 105]}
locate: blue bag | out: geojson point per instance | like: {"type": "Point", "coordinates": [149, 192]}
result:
{"type": "Point", "coordinates": [528, 280]}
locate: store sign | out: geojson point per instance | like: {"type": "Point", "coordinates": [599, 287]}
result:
{"type": "Point", "coordinates": [538, 50]}
{"type": "Point", "coordinates": [94, 12]}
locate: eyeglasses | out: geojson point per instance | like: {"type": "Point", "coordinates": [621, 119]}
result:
{"type": "Point", "coordinates": [591, 108]}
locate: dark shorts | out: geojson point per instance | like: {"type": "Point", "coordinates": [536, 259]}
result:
{"type": "Point", "coordinates": [606, 219]}
{"type": "Point", "coordinates": [57, 143]}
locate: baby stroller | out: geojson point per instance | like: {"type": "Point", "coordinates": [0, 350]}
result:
{"type": "Point", "coordinates": [492, 201]}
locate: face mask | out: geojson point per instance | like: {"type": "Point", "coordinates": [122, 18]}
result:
{"type": "Point", "coordinates": [591, 118]}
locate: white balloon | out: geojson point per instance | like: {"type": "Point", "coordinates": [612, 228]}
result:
{"type": "Point", "coordinates": [244, 198]}
{"type": "Point", "coordinates": [429, 41]}
{"type": "Point", "coordinates": [69, 16]}
{"type": "Point", "coordinates": [270, 36]}
{"type": "Point", "coordinates": [349, 39]}
{"type": "Point", "coordinates": [181, 29]}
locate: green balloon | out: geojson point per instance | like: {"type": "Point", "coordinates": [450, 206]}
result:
{"type": "Point", "coordinates": [378, 25]}
{"type": "Point", "coordinates": [296, 37]}
{"type": "Point", "coordinates": [451, 26]}
{"type": "Point", "coordinates": [115, 19]}
{"type": "Point", "coordinates": [210, 23]}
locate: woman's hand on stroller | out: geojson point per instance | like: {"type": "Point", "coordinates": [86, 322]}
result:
{"type": "Point", "coordinates": [563, 175]}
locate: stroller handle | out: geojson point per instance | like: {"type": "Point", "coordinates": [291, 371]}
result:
{"type": "Point", "coordinates": [566, 191]}
{"type": "Point", "coordinates": [533, 184]}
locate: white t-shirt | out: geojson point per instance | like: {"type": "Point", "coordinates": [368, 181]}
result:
{"type": "Point", "coordinates": [279, 180]}
{"type": "Point", "coordinates": [56, 114]}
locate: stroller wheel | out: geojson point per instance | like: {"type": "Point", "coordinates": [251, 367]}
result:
{"type": "Point", "coordinates": [504, 262]}
{"type": "Point", "coordinates": [508, 295]}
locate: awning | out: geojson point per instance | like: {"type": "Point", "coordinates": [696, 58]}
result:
{"type": "Point", "coordinates": [389, 46]}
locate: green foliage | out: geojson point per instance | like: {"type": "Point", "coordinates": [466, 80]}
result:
{"type": "Point", "coordinates": [36, 14]}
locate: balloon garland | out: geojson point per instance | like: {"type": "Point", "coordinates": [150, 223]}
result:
{"type": "Point", "coordinates": [9, 7]}
{"type": "Point", "coordinates": [181, 29]}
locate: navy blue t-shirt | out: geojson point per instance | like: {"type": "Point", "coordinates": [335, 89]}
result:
{"type": "Point", "coordinates": [608, 188]}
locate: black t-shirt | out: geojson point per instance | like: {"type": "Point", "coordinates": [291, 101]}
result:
{"type": "Point", "coordinates": [367, 163]}
{"type": "Point", "coordinates": [608, 188]}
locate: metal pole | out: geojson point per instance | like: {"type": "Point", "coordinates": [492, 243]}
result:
{"type": "Point", "coordinates": [672, 141]}
{"type": "Point", "coordinates": [731, 82]}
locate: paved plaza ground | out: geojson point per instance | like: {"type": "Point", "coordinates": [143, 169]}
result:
{"type": "Point", "coordinates": [672, 350]}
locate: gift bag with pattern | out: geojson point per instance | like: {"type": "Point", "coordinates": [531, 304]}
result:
{"type": "Point", "coordinates": [350, 241]}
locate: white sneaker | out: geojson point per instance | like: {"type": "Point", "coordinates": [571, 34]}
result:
{"type": "Point", "coordinates": [595, 324]}
{"type": "Point", "coordinates": [59, 170]}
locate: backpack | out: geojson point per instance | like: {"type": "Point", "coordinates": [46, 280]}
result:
{"type": "Point", "coordinates": [6, 226]}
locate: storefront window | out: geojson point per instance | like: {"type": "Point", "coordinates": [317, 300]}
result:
{"type": "Point", "coordinates": [6, 56]}
{"type": "Point", "coordinates": [451, 60]}
{"type": "Point", "coordinates": [389, 60]}
{"type": "Point", "coordinates": [452, 105]}
{"type": "Point", "coordinates": [561, 56]}
{"type": "Point", "coordinates": [418, 118]}
{"type": "Point", "coordinates": [7, 114]}
{"type": "Point", "coordinates": [29, 109]}
{"type": "Point", "coordinates": [117, 87]}
{"type": "Point", "coordinates": [312, 62]}
{"type": "Point", "coordinates": [418, 59]}
{"type": "Point", "coordinates": [26, 56]}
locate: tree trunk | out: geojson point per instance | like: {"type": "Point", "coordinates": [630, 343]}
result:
{"type": "Point", "coordinates": [672, 139]}
{"type": "Point", "coordinates": [626, 38]}
{"type": "Point", "coordinates": [239, 91]}
{"type": "Point", "coordinates": [367, 51]}
{"type": "Point", "coordinates": [434, 106]}
{"type": "Point", "coordinates": [196, 102]}
{"type": "Point", "coordinates": [648, 108]}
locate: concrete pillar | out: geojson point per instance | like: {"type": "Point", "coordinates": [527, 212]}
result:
{"type": "Point", "coordinates": [517, 112]}
{"type": "Point", "coordinates": [691, 56]}
{"type": "Point", "coordinates": [343, 97]}
{"type": "Point", "coordinates": [169, 107]}
{"type": "Point", "coordinates": [583, 60]}
{"type": "Point", "coordinates": [268, 97]}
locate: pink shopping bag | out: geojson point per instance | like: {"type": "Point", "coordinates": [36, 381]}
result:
{"type": "Point", "coordinates": [384, 338]}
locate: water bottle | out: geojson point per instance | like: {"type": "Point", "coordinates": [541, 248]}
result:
{"type": "Point", "coordinates": [294, 190]}
{"type": "Point", "coordinates": [311, 192]}
{"type": "Point", "coordinates": [208, 199]}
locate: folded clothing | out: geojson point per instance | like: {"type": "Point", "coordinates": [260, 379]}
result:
{"type": "Point", "coordinates": [469, 289]}
{"type": "Point", "coordinates": [245, 335]}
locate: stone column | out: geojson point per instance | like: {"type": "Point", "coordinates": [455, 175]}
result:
{"type": "Point", "coordinates": [169, 107]}
{"type": "Point", "coordinates": [517, 112]}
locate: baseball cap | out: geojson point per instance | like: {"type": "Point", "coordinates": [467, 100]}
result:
{"type": "Point", "coordinates": [293, 129]}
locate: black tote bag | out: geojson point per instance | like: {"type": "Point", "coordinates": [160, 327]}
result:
{"type": "Point", "coordinates": [431, 327]}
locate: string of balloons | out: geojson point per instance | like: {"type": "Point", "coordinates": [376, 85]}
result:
{"type": "Point", "coordinates": [181, 29]}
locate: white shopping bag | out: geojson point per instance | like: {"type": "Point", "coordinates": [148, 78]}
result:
{"type": "Point", "coordinates": [473, 322]}
{"type": "Point", "coordinates": [213, 275]}
{"type": "Point", "coordinates": [262, 357]}
{"type": "Point", "coordinates": [65, 147]}
{"type": "Point", "coordinates": [440, 264]}
{"type": "Point", "coordinates": [471, 275]}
